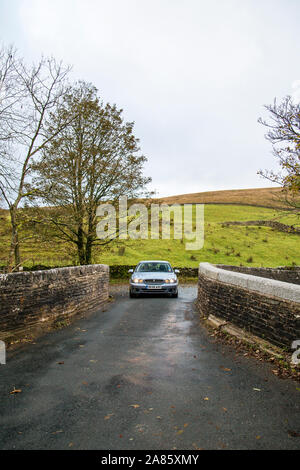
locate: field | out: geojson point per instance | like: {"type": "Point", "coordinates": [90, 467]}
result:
{"type": "Point", "coordinates": [233, 244]}
{"type": "Point", "coordinates": [247, 245]}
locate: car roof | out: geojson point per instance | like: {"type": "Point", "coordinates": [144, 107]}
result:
{"type": "Point", "coordinates": [153, 261]}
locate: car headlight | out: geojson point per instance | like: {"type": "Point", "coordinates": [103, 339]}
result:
{"type": "Point", "coordinates": [171, 281]}
{"type": "Point", "coordinates": [136, 280]}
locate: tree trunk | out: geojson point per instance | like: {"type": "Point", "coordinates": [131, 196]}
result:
{"type": "Point", "coordinates": [90, 236]}
{"type": "Point", "coordinates": [88, 251]}
{"type": "Point", "coordinates": [14, 254]}
{"type": "Point", "coordinates": [80, 247]}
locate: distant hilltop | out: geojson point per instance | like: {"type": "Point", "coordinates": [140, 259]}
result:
{"type": "Point", "coordinates": [262, 197]}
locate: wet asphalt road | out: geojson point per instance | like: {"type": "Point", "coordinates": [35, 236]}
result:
{"type": "Point", "coordinates": [143, 375]}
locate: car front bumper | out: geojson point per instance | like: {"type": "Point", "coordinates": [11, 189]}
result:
{"type": "Point", "coordinates": [142, 288]}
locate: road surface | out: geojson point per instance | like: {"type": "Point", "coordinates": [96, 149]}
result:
{"type": "Point", "coordinates": [144, 374]}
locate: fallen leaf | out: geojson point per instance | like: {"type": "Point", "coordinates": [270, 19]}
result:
{"type": "Point", "coordinates": [257, 389]}
{"type": "Point", "coordinates": [293, 433]}
{"type": "Point", "coordinates": [60, 363]}
{"type": "Point", "coordinates": [180, 431]}
{"type": "Point", "coordinates": [135, 406]}
{"type": "Point", "coordinates": [185, 425]}
{"type": "Point", "coordinates": [257, 437]}
{"type": "Point", "coordinates": [224, 409]}
{"type": "Point", "coordinates": [15, 391]}
{"type": "Point", "coordinates": [206, 398]}
{"type": "Point", "coordinates": [108, 416]}
{"type": "Point", "coordinates": [196, 447]}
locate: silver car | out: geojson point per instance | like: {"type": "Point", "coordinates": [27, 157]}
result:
{"type": "Point", "coordinates": [153, 277]}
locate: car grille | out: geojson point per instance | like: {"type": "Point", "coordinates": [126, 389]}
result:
{"type": "Point", "coordinates": [154, 281]}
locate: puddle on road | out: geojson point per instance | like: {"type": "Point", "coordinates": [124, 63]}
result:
{"type": "Point", "coordinates": [175, 348]}
{"type": "Point", "coordinates": [167, 347]}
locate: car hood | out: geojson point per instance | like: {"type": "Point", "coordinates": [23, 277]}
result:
{"type": "Point", "coordinates": [154, 275]}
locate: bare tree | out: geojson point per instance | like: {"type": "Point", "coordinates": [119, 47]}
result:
{"type": "Point", "coordinates": [95, 158]}
{"type": "Point", "coordinates": [28, 96]}
{"type": "Point", "coordinates": [10, 112]}
{"type": "Point", "coordinates": [284, 135]}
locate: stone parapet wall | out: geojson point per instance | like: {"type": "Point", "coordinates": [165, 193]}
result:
{"type": "Point", "coordinates": [31, 300]}
{"type": "Point", "coordinates": [267, 308]}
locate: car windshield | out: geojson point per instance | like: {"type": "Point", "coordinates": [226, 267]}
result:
{"type": "Point", "coordinates": [154, 267]}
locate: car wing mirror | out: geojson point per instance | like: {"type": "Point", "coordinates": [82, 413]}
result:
{"type": "Point", "coordinates": [176, 271]}
{"type": "Point", "coordinates": [130, 270]}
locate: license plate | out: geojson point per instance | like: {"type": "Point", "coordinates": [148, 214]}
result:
{"type": "Point", "coordinates": [154, 287]}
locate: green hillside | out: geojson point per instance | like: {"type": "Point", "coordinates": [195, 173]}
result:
{"type": "Point", "coordinates": [247, 245]}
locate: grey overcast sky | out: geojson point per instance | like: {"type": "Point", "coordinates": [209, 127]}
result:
{"type": "Point", "coordinates": [193, 75]}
